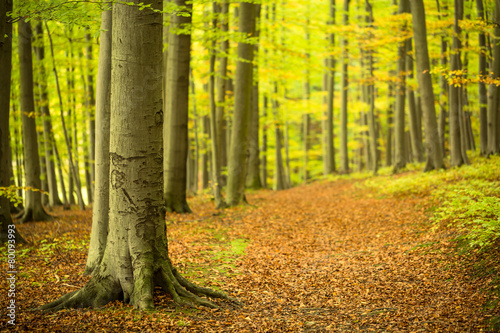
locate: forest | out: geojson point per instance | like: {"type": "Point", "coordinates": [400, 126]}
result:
{"type": "Point", "coordinates": [250, 166]}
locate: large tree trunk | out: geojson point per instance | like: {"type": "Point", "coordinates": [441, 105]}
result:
{"type": "Point", "coordinates": [432, 143]}
{"type": "Point", "coordinates": [344, 157]}
{"type": "Point", "coordinates": [33, 210]}
{"type": "Point", "coordinates": [136, 256]}
{"type": "Point", "coordinates": [237, 165]}
{"type": "Point", "coordinates": [253, 175]}
{"type": "Point", "coordinates": [100, 219]}
{"type": "Point", "coordinates": [8, 231]}
{"type": "Point", "coordinates": [176, 115]}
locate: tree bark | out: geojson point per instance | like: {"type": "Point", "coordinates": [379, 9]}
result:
{"type": "Point", "coordinates": [90, 101]}
{"type": "Point", "coordinates": [222, 82]}
{"type": "Point", "coordinates": [344, 157]}
{"type": "Point", "coordinates": [216, 167]}
{"type": "Point", "coordinates": [54, 199]}
{"type": "Point", "coordinates": [372, 125]}
{"type": "Point", "coordinates": [494, 91]}
{"type": "Point", "coordinates": [253, 175]}
{"type": "Point", "coordinates": [237, 166]}
{"type": "Point", "coordinates": [483, 95]}
{"type": "Point", "coordinates": [328, 135]}
{"type": "Point", "coordinates": [432, 142]}
{"type": "Point", "coordinates": [399, 117]}
{"type": "Point", "coordinates": [175, 131]}
{"type": "Point", "coordinates": [33, 210]}
{"type": "Point", "coordinates": [100, 218]}
{"type": "Point", "coordinates": [456, 104]}
{"type": "Point", "coordinates": [414, 122]}
{"type": "Point", "coordinates": [73, 170]}
{"type": "Point", "coordinates": [136, 256]}
{"type": "Point", "coordinates": [8, 231]}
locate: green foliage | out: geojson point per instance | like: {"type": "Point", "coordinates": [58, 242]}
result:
{"type": "Point", "coordinates": [467, 198]}
{"type": "Point", "coordinates": [11, 193]}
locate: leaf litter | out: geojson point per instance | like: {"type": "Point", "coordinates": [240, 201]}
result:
{"type": "Point", "coordinates": [323, 257]}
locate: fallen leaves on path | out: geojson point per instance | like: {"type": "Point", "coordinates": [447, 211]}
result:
{"type": "Point", "coordinates": [316, 258]}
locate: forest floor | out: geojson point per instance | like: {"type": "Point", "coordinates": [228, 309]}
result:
{"type": "Point", "coordinates": [323, 257]}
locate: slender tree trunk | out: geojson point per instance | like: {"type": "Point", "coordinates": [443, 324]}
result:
{"type": "Point", "coordinates": [33, 210]}
{"type": "Point", "coordinates": [372, 125]}
{"type": "Point", "coordinates": [175, 130]}
{"type": "Point", "coordinates": [216, 167]}
{"type": "Point", "coordinates": [100, 209]}
{"type": "Point", "coordinates": [237, 165]}
{"type": "Point", "coordinates": [205, 157]}
{"type": "Point", "coordinates": [399, 128]}
{"type": "Point", "coordinates": [8, 231]}
{"type": "Point", "coordinates": [494, 91]}
{"type": "Point", "coordinates": [47, 122]}
{"type": "Point", "coordinates": [90, 101]}
{"type": "Point", "coordinates": [222, 87]}
{"type": "Point", "coordinates": [328, 135]}
{"type": "Point", "coordinates": [456, 102]}
{"type": "Point", "coordinates": [483, 72]}
{"type": "Point", "coordinates": [432, 142]}
{"type": "Point", "coordinates": [85, 134]}
{"type": "Point", "coordinates": [414, 122]}
{"type": "Point", "coordinates": [264, 143]}
{"type": "Point", "coordinates": [195, 130]}
{"type": "Point", "coordinates": [443, 95]}
{"type": "Point", "coordinates": [73, 170]}
{"type": "Point", "coordinates": [344, 157]}
{"type": "Point", "coordinates": [390, 123]}
{"type": "Point", "coordinates": [60, 173]}
{"type": "Point", "coordinates": [279, 170]}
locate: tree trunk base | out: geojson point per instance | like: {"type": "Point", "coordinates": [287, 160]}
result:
{"type": "Point", "coordinates": [180, 207]}
{"type": "Point", "coordinates": [31, 215]}
{"type": "Point", "coordinates": [102, 289]}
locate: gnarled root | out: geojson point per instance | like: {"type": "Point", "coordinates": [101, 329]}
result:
{"type": "Point", "coordinates": [101, 290]}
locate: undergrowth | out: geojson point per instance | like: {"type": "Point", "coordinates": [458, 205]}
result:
{"type": "Point", "coordinates": [466, 198]}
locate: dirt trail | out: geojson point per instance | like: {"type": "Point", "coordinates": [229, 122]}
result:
{"type": "Point", "coordinates": [329, 257]}
{"type": "Point", "coordinates": [326, 257]}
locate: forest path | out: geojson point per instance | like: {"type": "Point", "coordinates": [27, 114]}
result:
{"type": "Point", "coordinates": [325, 257]}
{"type": "Point", "coordinates": [333, 257]}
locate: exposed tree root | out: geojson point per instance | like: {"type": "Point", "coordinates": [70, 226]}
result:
{"type": "Point", "coordinates": [101, 290]}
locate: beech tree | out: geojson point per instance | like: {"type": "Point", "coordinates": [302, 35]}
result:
{"type": "Point", "coordinates": [175, 131]}
{"type": "Point", "coordinates": [136, 256]}
{"type": "Point", "coordinates": [237, 164]}
{"type": "Point", "coordinates": [6, 223]}
{"type": "Point", "coordinates": [33, 210]}
{"type": "Point", "coordinates": [100, 217]}
{"type": "Point", "coordinates": [344, 158]}
{"type": "Point", "coordinates": [432, 143]}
